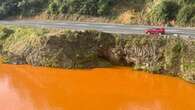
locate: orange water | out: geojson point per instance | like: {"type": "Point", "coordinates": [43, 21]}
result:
{"type": "Point", "coordinates": [32, 88]}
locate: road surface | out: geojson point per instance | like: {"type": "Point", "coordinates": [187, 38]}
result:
{"type": "Point", "coordinates": [110, 28]}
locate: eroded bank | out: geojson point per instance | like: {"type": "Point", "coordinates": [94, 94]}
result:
{"type": "Point", "coordinates": [90, 49]}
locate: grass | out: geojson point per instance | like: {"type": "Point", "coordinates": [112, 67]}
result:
{"type": "Point", "coordinates": [15, 36]}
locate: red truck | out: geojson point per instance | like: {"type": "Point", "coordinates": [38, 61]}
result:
{"type": "Point", "coordinates": [155, 31]}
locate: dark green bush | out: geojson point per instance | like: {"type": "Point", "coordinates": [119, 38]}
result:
{"type": "Point", "coordinates": [7, 7]}
{"type": "Point", "coordinates": [3, 12]}
{"type": "Point", "coordinates": [63, 8]}
{"type": "Point", "coordinates": [104, 6]}
{"type": "Point", "coordinates": [53, 8]}
{"type": "Point", "coordinates": [20, 7]}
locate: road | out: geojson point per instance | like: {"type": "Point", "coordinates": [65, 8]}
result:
{"type": "Point", "coordinates": [105, 27]}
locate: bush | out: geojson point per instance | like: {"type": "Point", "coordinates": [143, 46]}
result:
{"type": "Point", "coordinates": [185, 2]}
{"type": "Point", "coordinates": [3, 12]}
{"type": "Point", "coordinates": [185, 14]}
{"type": "Point", "coordinates": [7, 7]}
{"type": "Point", "coordinates": [53, 8]}
{"type": "Point", "coordinates": [63, 8]}
{"type": "Point", "coordinates": [164, 11]}
{"type": "Point", "coordinates": [104, 6]}
{"type": "Point", "coordinates": [20, 7]}
{"type": "Point", "coordinates": [83, 7]}
{"type": "Point", "coordinates": [192, 21]}
{"type": "Point", "coordinates": [32, 7]}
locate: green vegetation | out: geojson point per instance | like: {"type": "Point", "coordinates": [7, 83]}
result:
{"type": "Point", "coordinates": [164, 12]}
{"type": "Point", "coordinates": [21, 7]}
{"type": "Point", "coordinates": [85, 7]}
{"type": "Point", "coordinates": [181, 11]}
{"type": "Point", "coordinates": [186, 14]}
{"type": "Point", "coordinates": [32, 7]}
{"type": "Point", "coordinates": [147, 11]}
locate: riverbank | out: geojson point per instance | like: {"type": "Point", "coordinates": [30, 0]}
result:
{"type": "Point", "coordinates": [92, 49]}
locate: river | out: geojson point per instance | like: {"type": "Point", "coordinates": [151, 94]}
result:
{"type": "Point", "coordinates": [25, 87]}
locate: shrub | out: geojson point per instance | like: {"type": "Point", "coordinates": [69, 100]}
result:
{"type": "Point", "coordinates": [185, 14]}
{"type": "Point", "coordinates": [20, 7]}
{"type": "Point", "coordinates": [83, 7]}
{"type": "Point", "coordinates": [104, 6]}
{"type": "Point", "coordinates": [184, 2]}
{"type": "Point", "coordinates": [164, 11]}
{"type": "Point", "coordinates": [86, 7]}
{"type": "Point", "coordinates": [30, 7]}
{"type": "Point", "coordinates": [63, 8]}
{"type": "Point", "coordinates": [3, 12]}
{"type": "Point", "coordinates": [7, 8]}
{"type": "Point", "coordinates": [192, 21]}
{"type": "Point", "coordinates": [53, 8]}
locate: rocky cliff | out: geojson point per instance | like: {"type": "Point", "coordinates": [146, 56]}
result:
{"type": "Point", "coordinates": [88, 49]}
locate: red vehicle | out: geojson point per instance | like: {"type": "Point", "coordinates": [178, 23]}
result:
{"type": "Point", "coordinates": [155, 31]}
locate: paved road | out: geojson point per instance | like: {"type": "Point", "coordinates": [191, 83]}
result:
{"type": "Point", "coordinates": [111, 28]}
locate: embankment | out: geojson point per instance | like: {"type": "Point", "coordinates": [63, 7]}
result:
{"type": "Point", "coordinates": [88, 49]}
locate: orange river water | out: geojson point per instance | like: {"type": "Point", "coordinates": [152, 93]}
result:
{"type": "Point", "coordinates": [34, 88]}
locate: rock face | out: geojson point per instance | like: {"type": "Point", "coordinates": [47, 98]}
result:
{"type": "Point", "coordinates": [74, 49]}
{"type": "Point", "coordinates": [65, 49]}
{"type": "Point", "coordinates": [71, 50]}
{"type": "Point", "coordinates": [173, 56]}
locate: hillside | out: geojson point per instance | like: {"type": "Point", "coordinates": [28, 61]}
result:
{"type": "Point", "coordinates": [153, 12]}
